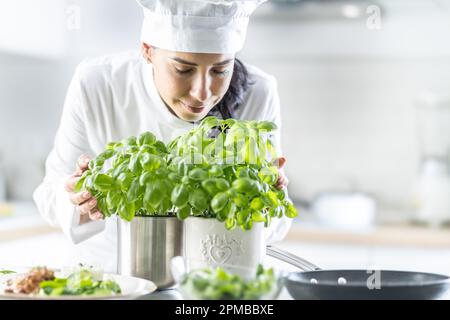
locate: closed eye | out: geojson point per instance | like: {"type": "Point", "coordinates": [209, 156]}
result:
{"type": "Point", "coordinates": [183, 71]}
{"type": "Point", "coordinates": [221, 72]}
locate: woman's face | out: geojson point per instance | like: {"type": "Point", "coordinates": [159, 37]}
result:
{"type": "Point", "coordinates": [190, 84]}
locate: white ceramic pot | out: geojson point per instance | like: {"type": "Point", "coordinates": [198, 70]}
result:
{"type": "Point", "coordinates": [208, 243]}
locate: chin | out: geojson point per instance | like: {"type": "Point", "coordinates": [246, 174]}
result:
{"type": "Point", "coordinates": [185, 115]}
{"type": "Point", "coordinates": [191, 117]}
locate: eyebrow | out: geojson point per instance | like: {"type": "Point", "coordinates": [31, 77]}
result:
{"type": "Point", "coordinates": [222, 63]}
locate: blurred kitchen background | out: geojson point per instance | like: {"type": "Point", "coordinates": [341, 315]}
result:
{"type": "Point", "coordinates": [365, 97]}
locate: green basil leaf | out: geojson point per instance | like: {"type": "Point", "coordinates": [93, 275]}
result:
{"type": "Point", "coordinates": [219, 201]}
{"type": "Point", "coordinates": [125, 179]}
{"type": "Point", "coordinates": [130, 141]}
{"type": "Point", "coordinates": [103, 182]}
{"type": "Point", "coordinates": [183, 213]}
{"type": "Point", "coordinates": [79, 185]}
{"type": "Point", "coordinates": [257, 204]}
{"type": "Point", "coordinates": [127, 211]}
{"type": "Point", "coordinates": [164, 205]}
{"type": "Point", "coordinates": [241, 200]}
{"type": "Point", "coordinates": [198, 199]}
{"type": "Point", "coordinates": [258, 217]}
{"type": "Point", "coordinates": [154, 194]}
{"type": "Point", "coordinates": [113, 200]}
{"type": "Point", "coordinates": [146, 138]}
{"type": "Point", "coordinates": [230, 223]}
{"type": "Point", "coordinates": [242, 216]}
{"type": "Point", "coordinates": [180, 195]}
{"type": "Point", "coordinates": [291, 211]}
{"type": "Point", "coordinates": [134, 191]}
{"type": "Point", "coordinates": [145, 178]}
{"type": "Point", "coordinates": [210, 186]}
{"type": "Point", "coordinates": [222, 184]}
{"type": "Point", "coordinates": [135, 165]}
{"type": "Point", "coordinates": [198, 174]}
{"type": "Point", "coordinates": [245, 185]}
{"type": "Point", "coordinates": [266, 126]}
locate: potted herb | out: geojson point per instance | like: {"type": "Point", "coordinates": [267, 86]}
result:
{"type": "Point", "coordinates": [129, 179]}
{"type": "Point", "coordinates": [217, 177]}
{"type": "Point", "coordinates": [224, 187]}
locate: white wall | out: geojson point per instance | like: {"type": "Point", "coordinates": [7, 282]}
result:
{"type": "Point", "coordinates": [41, 42]}
{"type": "Point", "coordinates": [349, 94]}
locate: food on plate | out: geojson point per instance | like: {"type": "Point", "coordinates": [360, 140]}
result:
{"type": "Point", "coordinates": [212, 284]}
{"type": "Point", "coordinates": [2, 272]}
{"type": "Point", "coordinates": [43, 281]}
{"type": "Point", "coordinates": [29, 283]}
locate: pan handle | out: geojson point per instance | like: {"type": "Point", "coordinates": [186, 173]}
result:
{"type": "Point", "coordinates": [290, 258]}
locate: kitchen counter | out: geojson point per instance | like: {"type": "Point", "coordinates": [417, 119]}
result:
{"type": "Point", "coordinates": [388, 234]}
{"type": "Point", "coordinates": [19, 220]}
{"type": "Point", "coordinates": [25, 238]}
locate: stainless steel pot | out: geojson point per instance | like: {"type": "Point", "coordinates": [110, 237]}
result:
{"type": "Point", "coordinates": [145, 247]}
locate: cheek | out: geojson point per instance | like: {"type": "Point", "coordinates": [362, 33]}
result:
{"type": "Point", "coordinates": [220, 86]}
{"type": "Point", "coordinates": [170, 86]}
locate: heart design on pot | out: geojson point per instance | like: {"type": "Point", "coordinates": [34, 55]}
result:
{"type": "Point", "coordinates": [220, 254]}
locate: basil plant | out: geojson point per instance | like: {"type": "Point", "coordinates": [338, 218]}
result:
{"type": "Point", "coordinates": [130, 178]}
{"type": "Point", "coordinates": [225, 169]}
{"type": "Point", "coordinates": [221, 169]}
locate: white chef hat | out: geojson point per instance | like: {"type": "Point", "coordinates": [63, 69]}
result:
{"type": "Point", "coordinates": [203, 26]}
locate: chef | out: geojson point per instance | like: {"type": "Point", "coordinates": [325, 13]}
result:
{"type": "Point", "coordinates": [186, 69]}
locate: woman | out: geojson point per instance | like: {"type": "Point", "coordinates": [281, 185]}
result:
{"type": "Point", "coordinates": [185, 71]}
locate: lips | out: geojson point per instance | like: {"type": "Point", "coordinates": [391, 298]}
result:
{"type": "Point", "coordinates": [194, 109]}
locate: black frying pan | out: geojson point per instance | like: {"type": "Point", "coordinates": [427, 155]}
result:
{"type": "Point", "coordinates": [315, 283]}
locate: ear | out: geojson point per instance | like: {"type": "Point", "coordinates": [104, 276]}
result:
{"type": "Point", "coordinates": [147, 51]}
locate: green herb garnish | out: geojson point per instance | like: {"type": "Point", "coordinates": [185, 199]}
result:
{"type": "Point", "coordinates": [82, 283]}
{"type": "Point", "coordinates": [6, 272]}
{"type": "Point", "coordinates": [212, 284]}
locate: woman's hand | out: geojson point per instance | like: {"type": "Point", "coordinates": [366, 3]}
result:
{"type": "Point", "coordinates": [85, 203]}
{"type": "Point", "coordinates": [282, 181]}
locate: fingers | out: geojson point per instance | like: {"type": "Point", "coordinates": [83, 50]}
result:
{"type": "Point", "coordinates": [280, 162]}
{"type": "Point", "coordinates": [85, 203]}
{"type": "Point", "coordinates": [80, 197]}
{"type": "Point", "coordinates": [282, 181]}
{"type": "Point", "coordinates": [95, 215]}
{"type": "Point", "coordinates": [71, 182]}
{"type": "Point", "coordinates": [82, 164]}
{"type": "Point", "coordinates": [88, 206]}
{"type": "Point", "coordinates": [89, 209]}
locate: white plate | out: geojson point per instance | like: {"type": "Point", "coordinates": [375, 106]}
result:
{"type": "Point", "coordinates": [132, 288]}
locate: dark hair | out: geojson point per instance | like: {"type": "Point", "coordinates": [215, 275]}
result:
{"type": "Point", "coordinates": [234, 96]}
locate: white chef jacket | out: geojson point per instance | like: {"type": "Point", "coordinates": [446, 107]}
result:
{"type": "Point", "coordinates": [110, 98]}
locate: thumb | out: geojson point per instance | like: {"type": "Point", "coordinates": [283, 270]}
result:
{"type": "Point", "coordinates": [82, 164]}
{"type": "Point", "coordinates": [280, 162]}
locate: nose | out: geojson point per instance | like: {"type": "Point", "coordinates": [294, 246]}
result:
{"type": "Point", "coordinates": [200, 88]}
